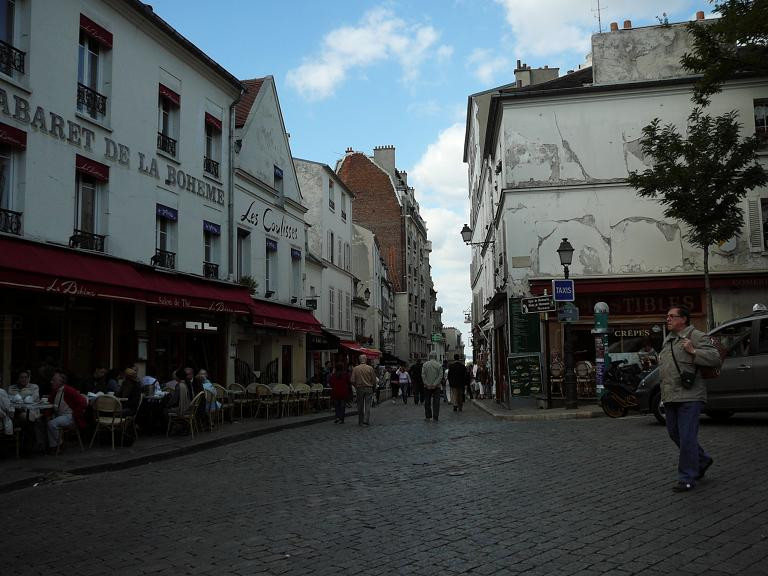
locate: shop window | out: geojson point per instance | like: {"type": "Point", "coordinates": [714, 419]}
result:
{"type": "Point", "coordinates": [93, 69]}
{"type": "Point", "coordinates": [761, 123]}
{"type": "Point", "coordinates": [243, 253]}
{"type": "Point", "coordinates": [211, 249]}
{"type": "Point", "coordinates": [271, 267]}
{"type": "Point", "coordinates": [331, 196]}
{"type": "Point", "coordinates": [168, 112]}
{"type": "Point", "coordinates": [212, 158]}
{"type": "Point", "coordinates": [165, 237]}
{"type": "Point", "coordinates": [757, 223]}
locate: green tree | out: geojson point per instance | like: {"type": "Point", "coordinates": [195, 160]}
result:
{"type": "Point", "coordinates": [735, 42]}
{"type": "Point", "coordinates": [701, 178]}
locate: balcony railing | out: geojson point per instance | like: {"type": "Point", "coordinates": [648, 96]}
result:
{"type": "Point", "coordinates": [166, 144]}
{"type": "Point", "coordinates": [343, 214]}
{"type": "Point", "coordinates": [92, 101]}
{"type": "Point", "coordinates": [211, 166]}
{"type": "Point", "coordinates": [87, 241]}
{"type": "Point", "coordinates": [11, 59]}
{"type": "Point", "coordinates": [210, 270]}
{"type": "Point", "coordinates": [331, 204]}
{"type": "Point", "coordinates": [10, 221]}
{"type": "Point", "coordinates": [164, 259]}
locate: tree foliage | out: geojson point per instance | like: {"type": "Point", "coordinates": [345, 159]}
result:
{"type": "Point", "coordinates": [701, 178]}
{"type": "Point", "coordinates": [723, 47]}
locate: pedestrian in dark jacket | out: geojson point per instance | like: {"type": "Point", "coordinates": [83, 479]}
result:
{"type": "Point", "coordinates": [417, 382]}
{"type": "Point", "coordinates": [340, 383]}
{"type": "Point", "coordinates": [457, 380]}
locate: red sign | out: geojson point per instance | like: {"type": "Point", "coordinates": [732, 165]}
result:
{"type": "Point", "coordinates": [92, 168]}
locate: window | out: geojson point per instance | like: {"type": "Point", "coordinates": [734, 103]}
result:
{"type": "Point", "coordinates": [348, 310]}
{"type": "Point", "coordinates": [341, 310]}
{"type": "Point", "coordinates": [94, 47]}
{"type": "Point", "coordinates": [168, 106]}
{"type": "Point", "coordinates": [271, 267]}
{"type": "Point", "coordinates": [211, 235]}
{"type": "Point", "coordinates": [331, 196]}
{"type": "Point", "coordinates": [278, 180]}
{"type": "Point", "coordinates": [165, 236]}
{"type": "Point", "coordinates": [243, 253]}
{"type": "Point", "coordinates": [736, 339]}
{"type": "Point", "coordinates": [331, 244]}
{"type": "Point", "coordinates": [757, 224]}
{"type": "Point", "coordinates": [295, 274]}
{"type": "Point", "coordinates": [346, 255]}
{"type": "Point", "coordinates": [761, 122]}
{"type": "Point", "coordinates": [10, 220]}
{"type": "Point", "coordinates": [212, 158]}
{"type": "Point", "coordinates": [331, 308]}
{"type": "Point", "coordinates": [343, 207]}
{"type": "Point", "coordinates": [339, 253]}
{"type": "Point", "coordinates": [11, 58]}
{"type": "Point", "coordinates": [86, 204]}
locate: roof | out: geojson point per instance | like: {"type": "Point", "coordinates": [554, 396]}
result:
{"type": "Point", "coordinates": [147, 12]}
{"type": "Point", "coordinates": [572, 80]}
{"type": "Point", "coordinates": [243, 107]}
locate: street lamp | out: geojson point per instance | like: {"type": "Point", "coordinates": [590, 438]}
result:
{"type": "Point", "coordinates": [466, 236]}
{"type": "Point", "coordinates": [565, 252]}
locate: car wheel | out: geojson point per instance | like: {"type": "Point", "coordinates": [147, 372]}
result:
{"type": "Point", "coordinates": [658, 409]}
{"type": "Point", "coordinates": [611, 407]}
{"type": "Point", "coordinates": [719, 414]}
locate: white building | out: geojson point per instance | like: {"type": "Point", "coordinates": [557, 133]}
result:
{"type": "Point", "coordinates": [270, 237]}
{"type": "Point", "coordinates": [114, 219]}
{"type": "Point", "coordinates": [550, 161]}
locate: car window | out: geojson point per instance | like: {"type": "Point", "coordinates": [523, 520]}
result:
{"type": "Point", "coordinates": [736, 338]}
{"type": "Point", "coordinates": [762, 342]}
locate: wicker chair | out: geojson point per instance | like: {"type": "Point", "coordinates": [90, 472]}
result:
{"type": "Point", "coordinates": [188, 417]}
{"type": "Point", "coordinates": [265, 399]}
{"type": "Point", "coordinates": [108, 413]}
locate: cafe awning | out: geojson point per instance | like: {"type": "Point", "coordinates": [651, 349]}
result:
{"type": "Point", "coordinates": [359, 348]}
{"type": "Point", "coordinates": [272, 315]}
{"type": "Point", "coordinates": [58, 270]}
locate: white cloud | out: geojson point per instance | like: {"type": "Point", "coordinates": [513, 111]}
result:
{"type": "Point", "coordinates": [567, 25]}
{"type": "Point", "coordinates": [485, 65]}
{"type": "Point", "coordinates": [379, 36]}
{"type": "Point", "coordinates": [440, 181]}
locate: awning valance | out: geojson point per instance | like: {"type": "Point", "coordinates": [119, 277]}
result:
{"type": "Point", "coordinates": [273, 315]}
{"type": "Point", "coordinates": [359, 348]}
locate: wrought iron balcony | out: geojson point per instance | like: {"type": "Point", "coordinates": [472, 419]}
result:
{"type": "Point", "coordinates": [210, 270]}
{"type": "Point", "coordinates": [166, 144]}
{"type": "Point", "coordinates": [93, 102]}
{"type": "Point", "coordinates": [211, 166]}
{"type": "Point", "coordinates": [10, 221]}
{"type": "Point", "coordinates": [343, 214]}
{"type": "Point", "coordinates": [164, 259]}
{"type": "Point", "coordinates": [87, 241]}
{"type": "Point", "coordinates": [11, 59]}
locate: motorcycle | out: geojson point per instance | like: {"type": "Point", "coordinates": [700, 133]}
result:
{"type": "Point", "coordinates": [620, 382]}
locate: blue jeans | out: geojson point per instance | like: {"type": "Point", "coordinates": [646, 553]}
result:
{"type": "Point", "coordinates": [683, 428]}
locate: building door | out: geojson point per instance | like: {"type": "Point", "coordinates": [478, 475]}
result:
{"type": "Point", "coordinates": [287, 362]}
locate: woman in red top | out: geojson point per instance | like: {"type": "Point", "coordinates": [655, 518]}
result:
{"type": "Point", "coordinates": [339, 382]}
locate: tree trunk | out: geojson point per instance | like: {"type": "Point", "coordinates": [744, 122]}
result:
{"type": "Point", "coordinates": [708, 292]}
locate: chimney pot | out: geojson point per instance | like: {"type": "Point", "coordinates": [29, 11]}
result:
{"type": "Point", "coordinates": [700, 15]}
{"type": "Point", "coordinates": [349, 149]}
{"type": "Point", "coordinates": [518, 63]}
{"type": "Point", "coordinates": [614, 26]}
{"type": "Point", "coordinates": [627, 24]}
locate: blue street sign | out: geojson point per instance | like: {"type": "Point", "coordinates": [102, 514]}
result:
{"type": "Point", "coordinates": [563, 291]}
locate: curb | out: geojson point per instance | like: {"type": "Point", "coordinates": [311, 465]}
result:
{"type": "Point", "coordinates": [539, 414]}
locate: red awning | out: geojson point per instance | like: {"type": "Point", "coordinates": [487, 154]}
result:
{"type": "Point", "coordinates": [171, 95]}
{"type": "Point", "coordinates": [278, 316]}
{"type": "Point", "coordinates": [33, 266]}
{"type": "Point", "coordinates": [13, 136]}
{"type": "Point", "coordinates": [356, 347]}
{"type": "Point", "coordinates": [92, 168]}
{"type": "Point", "coordinates": [98, 33]}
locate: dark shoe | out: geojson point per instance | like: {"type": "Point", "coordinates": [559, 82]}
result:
{"type": "Point", "coordinates": [336, 421]}
{"type": "Point", "coordinates": [428, 419]}
{"type": "Point", "coordinates": [705, 468]}
{"type": "Point", "coordinates": [455, 408]}
{"type": "Point", "coordinates": [682, 487]}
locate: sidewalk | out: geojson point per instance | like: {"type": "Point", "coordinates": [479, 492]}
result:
{"type": "Point", "coordinates": [524, 413]}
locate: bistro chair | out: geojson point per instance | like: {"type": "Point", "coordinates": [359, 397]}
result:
{"type": "Point", "coordinates": [265, 399]}
{"type": "Point", "coordinates": [283, 393]}
{"type": "Point", "coordinates": [322, 401]}
{"type": "Point", "coordinates": [188, 417]}
{"type": "Point", "coordinates": [225, 399]}
{"type": "Point", "coordinates": [301, 393]}
{"type": "Point", "coordinates": [239, 398]}
{"type": "Point", "coordinates": [108, 414]}
{"type": "Point", "coordinates": [130, 420]}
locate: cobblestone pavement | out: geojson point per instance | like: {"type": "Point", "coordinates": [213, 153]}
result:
{"type": "Point", "coordinates": [467, 495]}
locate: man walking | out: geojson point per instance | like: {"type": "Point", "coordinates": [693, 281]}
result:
{"type": "Point", "coordinates": [417, 382]}
{"type": "Point", "coordinates": [364, 380]}
{"type": "Point", "coordinates": [457, 380]}
{"type": "Point", "coordinates": [684, 393]}
{"type": "Point", "coordinates": [432, 378]}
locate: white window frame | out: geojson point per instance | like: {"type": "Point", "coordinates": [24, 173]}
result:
{"type": "Point", "coordinates": [348, 310]}
{"type": "Point", "coordinates": [87, 186]}
{"type": "Point", "coordinates": [331, 307]}
{"type": "Point", "coordinates": [757, 223]}
{"type": "Point", "coordinates": [341, 309]}
{"type": "Point", "coordinates": [331, 196]}
{"type": "Point", "coordinates": [213, 146]}
{"type": "Point", "coordinates": [211, 247]}
{"type": "Point", "coordinates": [243, 253]}
{"type": "Point", "coordinates": [7, 177]}
{"type": "Point", "coordinates": [165, 234]}
{"type": "Point", "coordinates": [168, 120]}
{"type": "Point", "coordinates": [271, 270]}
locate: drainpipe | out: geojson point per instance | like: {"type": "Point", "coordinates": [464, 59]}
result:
{"type": "Point", "coordinates": [231, 188]}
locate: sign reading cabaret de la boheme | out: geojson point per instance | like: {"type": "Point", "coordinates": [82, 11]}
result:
{"type": "Point", "coordinates": [80, 136]}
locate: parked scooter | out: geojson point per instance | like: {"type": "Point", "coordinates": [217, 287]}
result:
{"type": "Point", "coordinates": [620, 382]}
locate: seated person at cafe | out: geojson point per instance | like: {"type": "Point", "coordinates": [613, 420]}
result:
{"type": "Point", "coordinates": [178, 400]}
{"type": "Point", "coordinates": [97, 382]}
{"type": "Point", "coordinates": [6, 413]}
{"type": "Point", "coordinates": [131, 391]}
{"type": "Point", "coordinates": [150, 386]}
{"type": "Point", "coordinates": [29, 418]}
{"type": "Point", "coordinates": [68, 406]}
{"type": "Point", "coordinates": [202, 378]}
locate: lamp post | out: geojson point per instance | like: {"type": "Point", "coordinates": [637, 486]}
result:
{"type": "Point", "coordinates": [565, 252]}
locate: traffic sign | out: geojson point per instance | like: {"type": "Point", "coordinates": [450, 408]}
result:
{"type": "Point", "coordinates": [563, 290]}
{"type": "Point", "coordinates": [537, 304]}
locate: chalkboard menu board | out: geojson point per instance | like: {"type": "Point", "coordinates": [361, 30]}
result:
{"type": "Point", "coordinates": [523, 329]}
{"type": "Point", "coordinates": [524, 374]}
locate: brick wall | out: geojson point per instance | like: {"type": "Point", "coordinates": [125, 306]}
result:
{"type": "Point", "coordinates": [376, 208]}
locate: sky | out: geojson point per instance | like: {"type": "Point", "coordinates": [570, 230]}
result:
{"type": "Point", "coordinates": [359, 74]}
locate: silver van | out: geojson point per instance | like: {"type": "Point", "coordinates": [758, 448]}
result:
{"type": "Point", "coordinates": [742, 385]}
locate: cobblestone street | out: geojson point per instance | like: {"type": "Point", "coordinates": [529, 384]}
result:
{"type": "Point", "coordinates": [467, 495]}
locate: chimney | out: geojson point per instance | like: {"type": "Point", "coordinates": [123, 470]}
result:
{"type": "Point", "coordinates": [384, 156]}
{"type": "Point", "coordinates": [700, 15]}
{"type": "Point", "coordinates": [627, 24]}
{"type": "Point", "coordinates": [349, 150]}
{"type": "Point", "coordinates": [614, 26]}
